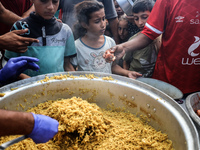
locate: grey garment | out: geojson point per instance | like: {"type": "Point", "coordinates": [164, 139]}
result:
{"type": "Point", "coordinates": [69, 18]}
{"type": "Point", "coordinates": [91, 59]}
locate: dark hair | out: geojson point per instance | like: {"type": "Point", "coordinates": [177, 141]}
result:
{"type": "Point", "coordinates": [142, 5]}
{"type": "Point", "coordinates": [83, 12]}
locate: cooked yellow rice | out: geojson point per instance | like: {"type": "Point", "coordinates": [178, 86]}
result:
{"type": "Point", "coordinates": [86, 126]}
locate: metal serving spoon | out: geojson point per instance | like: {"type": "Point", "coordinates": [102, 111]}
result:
{"type": "Point", "coordinates": [11, 142]}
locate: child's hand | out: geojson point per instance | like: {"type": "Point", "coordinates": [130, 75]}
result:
{"type": "Point", "coordinates": [134, 75]}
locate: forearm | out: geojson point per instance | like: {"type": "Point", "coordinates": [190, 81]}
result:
{"type": "Point", "coordinates": [126, 65]}
{"type": "Point", "coordinates": [113, 23]}
{"type": "Point", "coordinates": [13, 123]}
{"type": "Point", "coordinates": [69, 68]}
{"type": "Point", "coordinates": [116, 69]}
{"type": "Point", "coordinates": [67, 65]}
{"type": "Point", "coordinates": [137, 43]}
{"type": "Point", "coordinates": [7, 16]}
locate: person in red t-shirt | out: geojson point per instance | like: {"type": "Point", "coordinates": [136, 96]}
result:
{"type": "Point", "coordinates": [179, 56]}
{"type": "Point", "coordinates": [21, 8]}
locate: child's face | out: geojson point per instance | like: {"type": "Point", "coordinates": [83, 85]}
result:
{"type": "Point", "coordinates": [97, 23]}
{"type": "Point", "coordinates": [118, 9]}
{"type": "Point", "coordinates": [141, 18]}
{"type": "Point", "coordinates": [46, 8]}
{"type": "Point", "coordinates": [123, 29]}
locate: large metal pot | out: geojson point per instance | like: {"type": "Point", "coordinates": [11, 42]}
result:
{"type": "Point", "coordinates": [137, 97]}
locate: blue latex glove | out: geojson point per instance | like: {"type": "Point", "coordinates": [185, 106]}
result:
{"type": "Point", "coordinates": [44, 128]}
{"type": "Point", "coordinates": [16, 66]}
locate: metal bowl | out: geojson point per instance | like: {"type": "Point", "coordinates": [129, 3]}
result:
{"type": "Point", "coordinates": [136, 97]}
{"type": "Point", "coordinates": [193, 104]}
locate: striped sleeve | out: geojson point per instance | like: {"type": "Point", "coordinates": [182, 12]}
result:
{"type": "Point", "coordinates": [156, 22]}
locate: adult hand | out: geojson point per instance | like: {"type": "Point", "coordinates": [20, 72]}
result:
{"type": "Point", "coordinates": [44, 128]}
{"type": "Point", "coordinates": [15, 66]}
{"type": "Point", "coordinates": [12, 41]}
{"type": "Point", "coordinates": [114, 53]}
{"type": "Point", "coordinates": [134, 75]}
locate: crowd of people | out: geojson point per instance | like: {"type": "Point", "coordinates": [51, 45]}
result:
{"type": "Point", "coordinates": [159, 40]}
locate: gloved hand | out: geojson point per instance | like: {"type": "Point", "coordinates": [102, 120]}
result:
{"type": "Point", "coordinates": [44, 128]}
{"type": "Point", "coordinates": [15, 66]}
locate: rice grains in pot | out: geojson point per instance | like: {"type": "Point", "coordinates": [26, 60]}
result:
{"type": "Point", "coordinates": [83, 125]}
